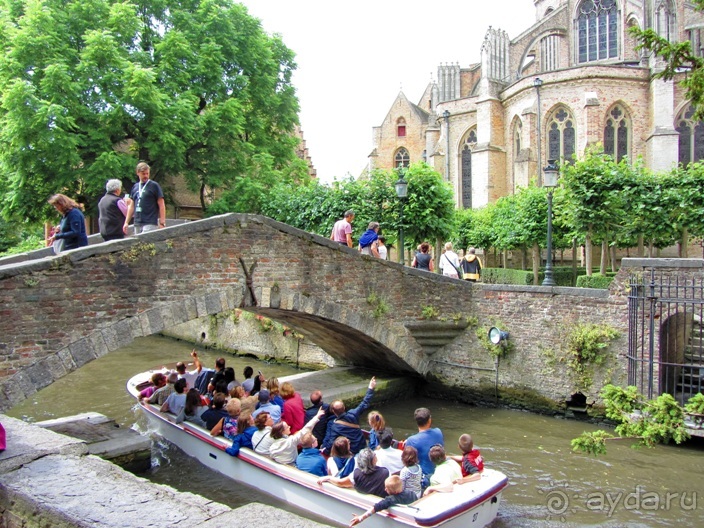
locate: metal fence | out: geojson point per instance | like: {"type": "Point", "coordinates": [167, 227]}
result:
{"type": "Point", "coordinates": [665, 335]}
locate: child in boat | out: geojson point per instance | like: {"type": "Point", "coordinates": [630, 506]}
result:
{"type": "Point", "coordinates": [377, 424]}
{"type": "Point", "coordinates": [447, 471]}
{"type": "Point", "coordinates": [412, 474]}
{"type": "Point", "coordinates": [310, 459]}
{"type": "Point", "coordinates": [395, 495]}
{"type": "Point", "coordinates": [245, 432]}
{"type": "Point", "coordinates": [471, 460]}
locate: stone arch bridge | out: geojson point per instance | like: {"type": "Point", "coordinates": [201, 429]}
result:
{"type": "Point", "coordinates": [60, 312]}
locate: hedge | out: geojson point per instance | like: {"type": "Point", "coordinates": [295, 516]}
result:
{"type": "Point", "coordinates": [561, 274]}
{"type": "Point", "coordinates": [596, 281]}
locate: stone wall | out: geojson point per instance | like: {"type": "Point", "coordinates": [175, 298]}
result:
{"type": "Point", "coordinates": [61, 312]}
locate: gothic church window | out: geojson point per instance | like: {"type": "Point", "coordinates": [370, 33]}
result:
{"type": "Point", "coordinates": [467, 146]}
{"type": "Point", "coordinates": [691, 143]}
{"type": "Point", "coordinates": [665, 23]}
{"type": "Point", "coordinates": [402, 158]}
{"type": "Point", "coordinates": [401, 127]}
{"type": "Point", "coordinates": [616, 133]}
{"type": "Point", "coordinates": [597, 30]}
{"type": "Point", "coordinates": [697, 42]}
{"type": "Point", "coordinates": [561, 135]}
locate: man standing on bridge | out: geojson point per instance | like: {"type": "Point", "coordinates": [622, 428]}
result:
{"type": "Point", "coordinates": [342, 230]}
{"type": "Point", "coordinates": [347, 423]}
{"type": "Point", "coordinates": [147, 204]}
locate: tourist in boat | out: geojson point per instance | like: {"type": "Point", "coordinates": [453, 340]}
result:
{"type": "Point", "coordinates": [284, 448]}
{"type": "Point", "coordinates": [176, 401]}
{"type": "Point", "coordinates": [237, 392]}
{"type": "Point", "coordinates": [388, 456]}
{"type": "Point", "coordinates": [471, 461]}
{"type": "Point", "coordinates": [160, 395]}
{"type": "Point", "coordinates": [194, 408]}
{"type": "Point", "coordinates": [346, 423]}
{"type": "Point", "coordinates": [341, 461]}
{"type": "Point", "coordinates": [248, 382]}
{"type": "Point", "coordinates": [396, 494]}
{"type": "Point", "coordinates": [272, 385]}
{"type": "Point", "coordinates": [447, 471]}
{"type": "Point", "coordinates": [218, 375]}
{"type": "Point", "coordinates": [228, 425]}
{"type": "Point", "coordinates": [192, 375]}
{"type": "Point", "coordinates": [411, 474]}
{"type": "Point", "coordinates": [265, 405]}
{"type": "Point", "coordinates": [310, 459]}
{"type": "Point", "coordinates": [216, 412]}
{"type": "Point", "coordinates": [158, 380]}
{"type": "Point", "coordinates": [261, 439]}
{"type": "Point", "coordinates": [376, 425]}
{"type": "Point", "coordinates": [245, 432]}
{"type": "Point", "coordinates": [294, 413]}
{"type": "Point", "coordinates": [316, 400]}
{"type": "Point", "coordinates": [366, 478]}
{"type": "Point", "coordinates": [426, 437]}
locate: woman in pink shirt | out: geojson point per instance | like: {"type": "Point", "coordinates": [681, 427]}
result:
{"type": "Point", "coordinates": [294, 413]}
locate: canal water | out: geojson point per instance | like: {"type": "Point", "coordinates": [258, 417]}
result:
{"type": "Point", "coordinates": [549, 484]}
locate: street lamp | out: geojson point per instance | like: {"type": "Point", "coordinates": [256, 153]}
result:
{"type": "Point", "coordinates": [446, 117]}
{"type": "Point", "coordinates": [551, 173]}
{"type": "Point", "coordinates": [537, 83]}
{"type": "Point", "coordinates": [401, 191]}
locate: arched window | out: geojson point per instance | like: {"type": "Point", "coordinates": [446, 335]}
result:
{"type": "Point", "coordinates": [616, 133]}
{"type": "Point", "coordinates": [664, 20]}
{"type": "Point", "coordinates": [597, 30]}
{"type": "Point", "coordinates": [691, 144]}
{"type": "Point", "coordinates": [467, 146]}
{"type": "Point", "coordinates": [401, 127]}
{"type": "Point", "coordinates": [517, 133]}
{"type": "Point", "coordinates": [402, 158]}
{"type": "Point", "coordinates": [561, 135]}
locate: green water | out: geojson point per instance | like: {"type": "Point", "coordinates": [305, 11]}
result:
{"type": "Point", "coordinates": [549, 484]}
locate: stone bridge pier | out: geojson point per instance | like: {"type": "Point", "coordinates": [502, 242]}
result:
{"type": "Point", "coordinates": [60, 312]}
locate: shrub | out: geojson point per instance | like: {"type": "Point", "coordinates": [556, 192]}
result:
{"type": "Point", "coordinates": [595, 281]}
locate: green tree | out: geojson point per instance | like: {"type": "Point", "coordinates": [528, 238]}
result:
{"type": "Point", "coordinates": [89, 87]}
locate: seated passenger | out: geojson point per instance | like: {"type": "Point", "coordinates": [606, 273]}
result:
{"type": "Point", "coordinates": [158, 380]}
{"type": "Point", "coordinates": [412, 474]}
{"type": "Point", "coordinates": [261, 439]}
{"type": "Point", "coordinates": [388, 456]}
{"type": "Point", "coordinates": [471, 461]}
{"type": "Point", "coordinates": [228, 425]}
{"type": "Point", "coordinates": [294, 413]}
{"type": "Point", "coordinates": [237, 392]}
{"type": "Point", "coordinates": [341, 461]}
{"type": "Point", "coordinates": [310, 459]}
{"type": "Point", "coordinates": [194, 408]}
{"type": "Point", "coordinates": [396, 495]}
{"type": "Point", "coordinates": [215, 413]}
{"type": "Point", "coordinates": [176, 401]}
{"type": "Point", "coordinates": [160, 395]}
{"type": "Point", "coordinates": [230, 379]}
{"type": "Point", "coordinates": [377, 424]}
{"type": "Point", "coordinates": [447, 471]}
{"type": "Point", "coordinates": [272, 385]}
{"type": "Point", "coordinates": [248, 382]}
{"type": "Point", "coordinates": [245, 431]}
{"type": "Point", "coordinates": [284, 449]}
{"type": "Point", "coordinates": [366, 478]}
{"type": "Point", "coordinates": [267, 406]}
{"type": "Point", "coordinates": [190, 376]}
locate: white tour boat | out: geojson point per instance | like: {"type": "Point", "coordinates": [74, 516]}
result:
{"type": "Point", "coordinates": [470, 505]}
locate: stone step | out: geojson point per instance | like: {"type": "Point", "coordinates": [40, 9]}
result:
{"type": "Point", "coordinates": [106, 439]}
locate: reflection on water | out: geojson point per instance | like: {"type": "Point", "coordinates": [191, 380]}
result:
{"type": "Point", "coordinates": [549, 484]}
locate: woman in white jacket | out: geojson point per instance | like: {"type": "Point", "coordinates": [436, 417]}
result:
{"type": "Point", "coordinates": [284, 448]}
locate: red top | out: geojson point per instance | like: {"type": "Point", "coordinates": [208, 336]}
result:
{"type": "Point", "coordinates": [472, 462]}
{"type": "Point", "coordinates": [294, 413]}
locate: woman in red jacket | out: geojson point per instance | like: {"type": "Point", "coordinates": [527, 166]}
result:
{"type": "Point", "coordinates": [294, 414]}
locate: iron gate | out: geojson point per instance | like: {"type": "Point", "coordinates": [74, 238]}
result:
{"type": "Point", "coordinates": [665, 335]}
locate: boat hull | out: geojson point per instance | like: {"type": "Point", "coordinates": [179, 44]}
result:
{"type": "Point", "coordinates": [471, 505]}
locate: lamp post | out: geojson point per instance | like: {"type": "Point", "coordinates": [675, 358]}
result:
{"type": "Point", "coordinates": [446, 117]}
{"type": "Point", "coordinates": [538, 82]}
{"type": "Point", "coordinates": [551, 173]}
{"type": "Point", "coordinates": [401, 191]}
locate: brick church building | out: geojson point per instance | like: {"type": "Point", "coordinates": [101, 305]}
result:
{"type": "Point", "coordinates": [572, 79]}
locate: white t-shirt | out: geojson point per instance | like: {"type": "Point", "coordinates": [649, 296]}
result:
{"type": "Point", "coordinates": [449, 268]}
{"type": "Point", "coordinates": [382, 252]}
{"type": "Point", "coordinates": [190, 378]}
{"type": "Point", "coordinates": [389, 458]}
